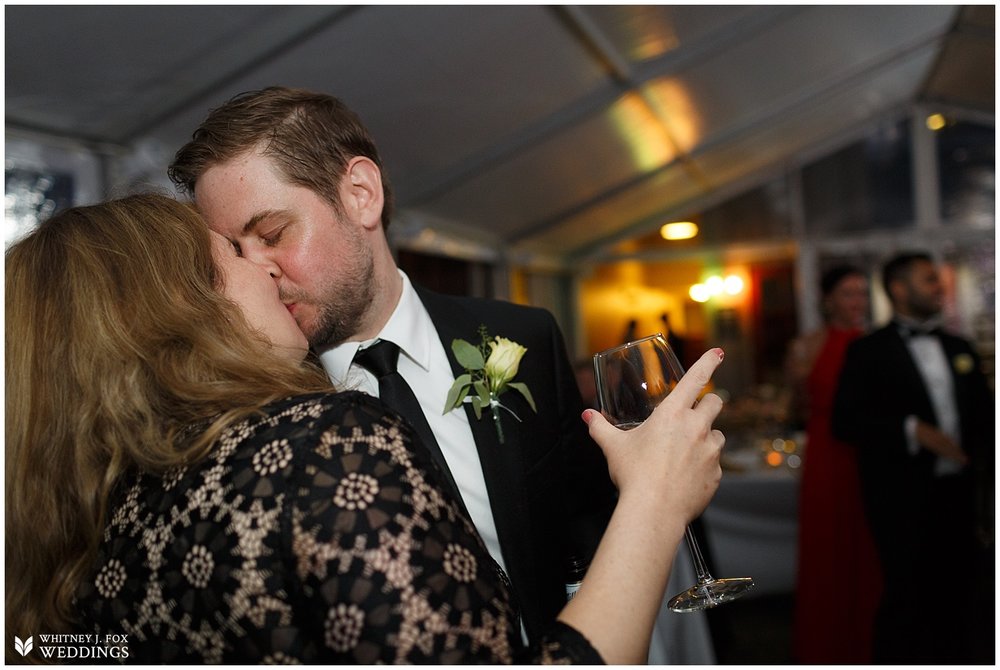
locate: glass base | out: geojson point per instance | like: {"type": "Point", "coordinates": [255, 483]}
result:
{"type": "Point", "coordinates": [709, 594]}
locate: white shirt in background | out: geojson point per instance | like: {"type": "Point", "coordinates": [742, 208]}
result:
{"type": "Point", "coordinates": [932, 364]}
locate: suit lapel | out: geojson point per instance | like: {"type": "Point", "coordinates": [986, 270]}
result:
{"type": "Point", "coordinates": [954, 349]}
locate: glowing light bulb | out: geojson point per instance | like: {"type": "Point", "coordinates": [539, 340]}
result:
{"type": "Point", "coordinates": [936, 121]}
{"type": "Point", "coordinates": [699, 293]}
{"type": "Point", "coordinates": [678, 230]}
{"type": "Point", "coordinates": [733, 285]}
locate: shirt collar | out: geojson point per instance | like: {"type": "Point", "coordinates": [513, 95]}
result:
{"type": "Point", "coordinates": [406, 327]}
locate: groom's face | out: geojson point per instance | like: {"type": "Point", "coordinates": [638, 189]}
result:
{"type": "Point", "coordinates": [320, 262]}
{"type": "Point", "coordinates": [924, 291]}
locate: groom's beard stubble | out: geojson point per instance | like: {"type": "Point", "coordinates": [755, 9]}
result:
{"type": "Point", "coordinates": [341, 309]}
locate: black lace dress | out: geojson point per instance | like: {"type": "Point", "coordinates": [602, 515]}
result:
{"type": "Point", "coordinates": [315, 533]}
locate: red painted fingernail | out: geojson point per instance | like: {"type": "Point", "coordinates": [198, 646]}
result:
{"type": "Point", "coordinates": [586, 416]}
{"type": "Point", "coordinates": [721, 354]}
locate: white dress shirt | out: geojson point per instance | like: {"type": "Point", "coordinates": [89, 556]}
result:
{"type": "Point", "coordinates": [932, 364]}
{"type": "Point", "coordinates": [423, 363]}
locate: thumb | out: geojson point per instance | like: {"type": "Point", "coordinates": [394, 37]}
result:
{"type": "Point", "coordinates": [600, 429]}
{"type": "Point", "coordinates": [603, 433]}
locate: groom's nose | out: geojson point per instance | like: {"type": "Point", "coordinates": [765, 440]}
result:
{"type": "Point", "coordinates": [268, 264]}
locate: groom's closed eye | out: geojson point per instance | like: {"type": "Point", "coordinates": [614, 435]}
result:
{"type": "Point", "coordinates": [272, 237]}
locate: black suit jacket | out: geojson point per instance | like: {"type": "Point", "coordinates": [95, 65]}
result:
{"type": "Point", "coordinates": [548, 482]}
{"type": "Point", "coordinates": [879, 386]}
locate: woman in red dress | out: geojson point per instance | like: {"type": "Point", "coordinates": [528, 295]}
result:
{"type": "Point", "coordinates": [839, 580]}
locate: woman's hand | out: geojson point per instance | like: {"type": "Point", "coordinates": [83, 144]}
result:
{"type": "Point", "coordinates": [674, 455]}
{"type": "Point", "coordinates": [666, 471]}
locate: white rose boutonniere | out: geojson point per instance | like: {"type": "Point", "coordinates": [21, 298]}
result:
{"type": "Point", "coordinates": [489, 371]}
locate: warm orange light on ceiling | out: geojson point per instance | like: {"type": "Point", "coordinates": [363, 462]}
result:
{"type": "Point", "coordinates": [678, 230]}
{"type": "Point", "coordinates": [648, 142]}
{"type": "Point", "coordinates": [675, 105]}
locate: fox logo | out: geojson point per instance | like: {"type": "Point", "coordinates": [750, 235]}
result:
{"type": "Point", "coordinates": [23, 647]}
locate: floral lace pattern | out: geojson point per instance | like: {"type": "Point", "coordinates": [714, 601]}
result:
{"type": "Point", "coordinates": [316, 533]}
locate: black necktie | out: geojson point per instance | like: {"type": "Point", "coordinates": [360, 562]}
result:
{"type": "Point", "coordinates": [380, 359]}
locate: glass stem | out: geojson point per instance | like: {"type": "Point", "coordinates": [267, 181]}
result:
{"type": "Point", "coordinates": [699, 562]}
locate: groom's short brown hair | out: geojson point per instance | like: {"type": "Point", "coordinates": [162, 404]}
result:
{"type": "Point", "coordinates": [310, 136]}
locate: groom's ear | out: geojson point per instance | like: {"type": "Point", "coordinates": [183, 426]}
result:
{"type": "Point", "coordinates": [361, 192]}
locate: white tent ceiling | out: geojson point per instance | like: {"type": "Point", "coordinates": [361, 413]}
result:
{"type": "Point", "coordinates": [549, 129]}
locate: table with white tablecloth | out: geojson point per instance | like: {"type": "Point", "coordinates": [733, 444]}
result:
{"type": "Point", "coordinates": [681, 638]}
{"type": "Point", "coordinates": [752, 528]}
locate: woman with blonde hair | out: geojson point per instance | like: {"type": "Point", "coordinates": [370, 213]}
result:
{"type": "Point", "coordinates": [177, 478]}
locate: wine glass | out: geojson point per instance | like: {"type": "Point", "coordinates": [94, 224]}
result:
{"type": "Point", "coordinates": [631, 381]}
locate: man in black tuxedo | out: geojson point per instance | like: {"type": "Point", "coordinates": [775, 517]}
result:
{"type": "Point", "coordinates": [293, 179]}
{"type": "Point", "coordinates": [914, 401]}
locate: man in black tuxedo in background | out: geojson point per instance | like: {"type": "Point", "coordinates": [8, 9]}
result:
{"type": "Point", "coordinates": [293, 179]}
{"type": "Point", "coordinates": [916, 404]}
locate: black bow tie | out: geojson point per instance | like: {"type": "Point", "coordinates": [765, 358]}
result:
{"type": "Point", "coordinates": [910, 330]}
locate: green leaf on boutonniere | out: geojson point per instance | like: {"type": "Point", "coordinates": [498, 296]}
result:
{"type": "Point", "coordinates": [522, 388]}
{"type": "Point", "coordinates": [484, 392]}
{"type": "Point", "coordinates": [457, 393]}
{"type": "Point", "coordinates": [477, 406]}
{"type": "Point", "coordinates": [468, 356]}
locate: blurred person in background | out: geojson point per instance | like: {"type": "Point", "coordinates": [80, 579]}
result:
{"type": "Point", "coordinates": [586, 382]}
{"type": "Point", "coordinates": [673, 339]}
{"type": "Point", "coordinates": [914, 401]}
{"type": "Point", "coordinates": [838, 584]}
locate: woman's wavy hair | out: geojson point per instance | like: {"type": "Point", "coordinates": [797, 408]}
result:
{"type": "Point", "coordinates": [118, 342]}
